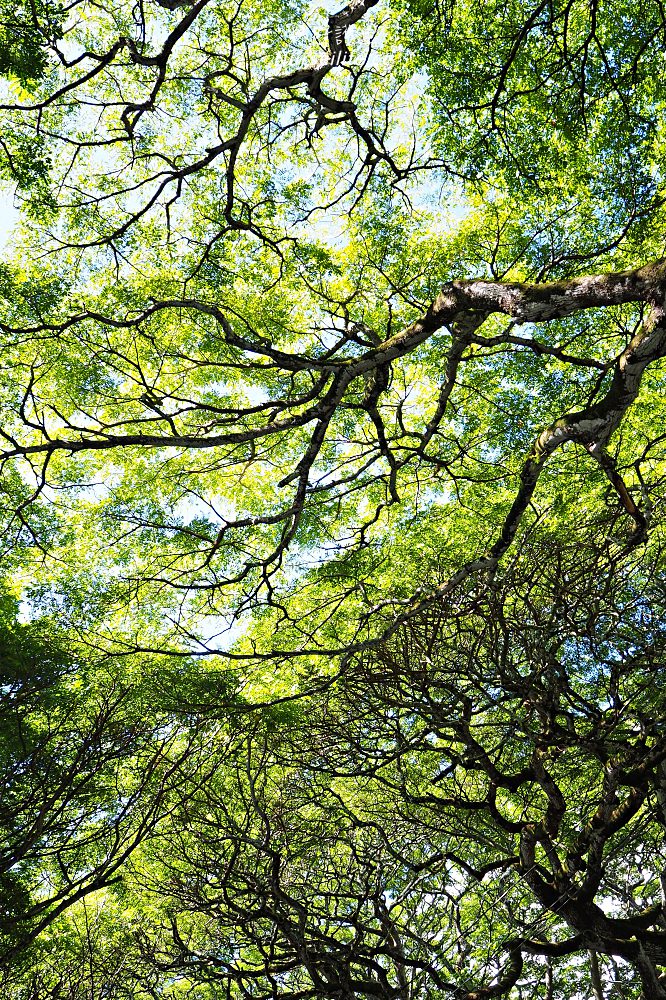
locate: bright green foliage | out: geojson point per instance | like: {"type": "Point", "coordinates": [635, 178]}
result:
{"type": "Point", "coordinates": [332, 450]}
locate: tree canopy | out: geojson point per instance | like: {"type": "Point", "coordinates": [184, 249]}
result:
{"type": "Point", "coordinates": [333, 449]}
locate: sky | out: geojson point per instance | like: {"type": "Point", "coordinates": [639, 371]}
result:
{"type": "Point", "coordinates": [8, 216]}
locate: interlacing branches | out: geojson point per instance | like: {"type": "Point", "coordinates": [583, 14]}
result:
{"type": "Point", "coordinates": [325, 383]}
{"type": "Point", "coordinates": [257, 412]}
{"type": "Point", "coordinates": [323, 400]}
{"type": "Point", "coordinates": [239, 116]}
{"type": "Point", "coordinates": [454, 812]}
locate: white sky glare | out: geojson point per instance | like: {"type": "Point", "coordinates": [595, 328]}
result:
{"type": "Point", "coordinates": [9, 216]}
